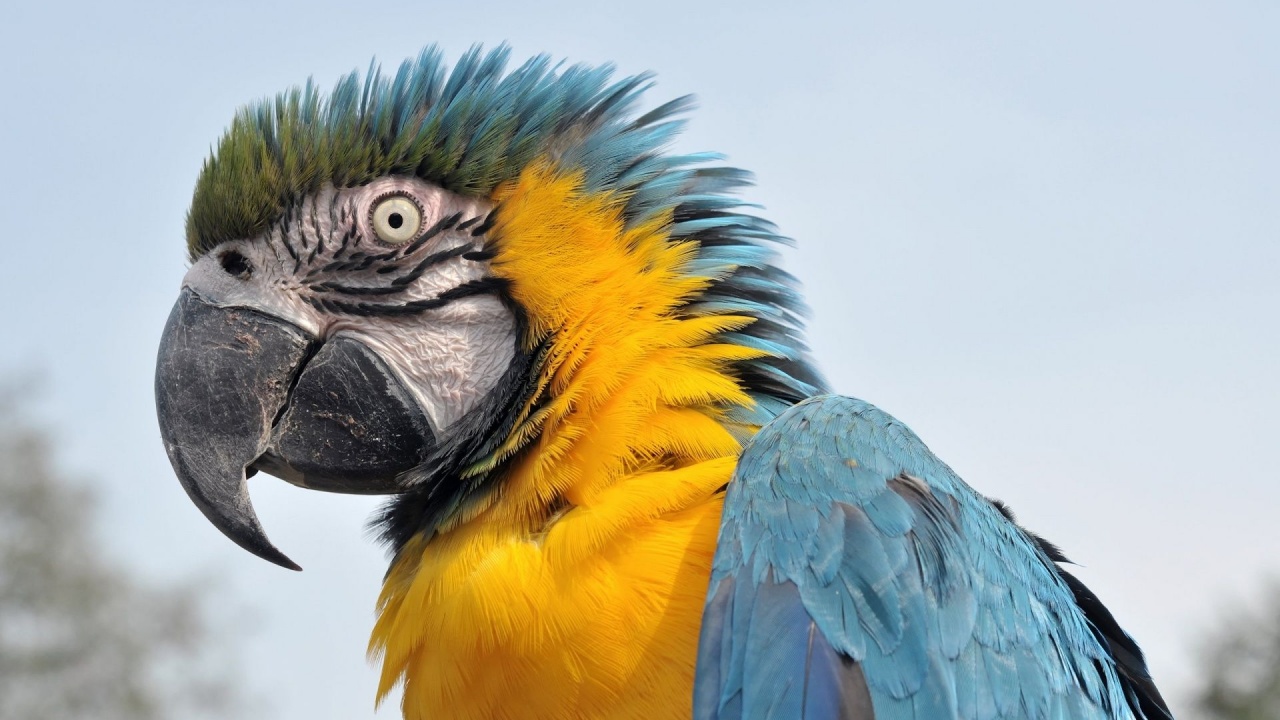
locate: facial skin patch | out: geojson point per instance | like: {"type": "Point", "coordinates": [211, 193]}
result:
{"type": "Point", "coordinates": [421, 303]}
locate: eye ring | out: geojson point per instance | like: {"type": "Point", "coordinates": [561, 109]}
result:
{"type": "Point", "coordinates": [396, 219]}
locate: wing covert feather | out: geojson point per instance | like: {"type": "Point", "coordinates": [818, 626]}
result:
{"type": "Point", "coordinates": [858, 577]}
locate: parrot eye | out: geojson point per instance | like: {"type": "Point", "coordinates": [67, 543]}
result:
{"type": "Point", "coordinates": [396, 219]}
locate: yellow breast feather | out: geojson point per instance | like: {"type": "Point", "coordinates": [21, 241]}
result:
{"type": "Point", "coordinates": [576, 589]}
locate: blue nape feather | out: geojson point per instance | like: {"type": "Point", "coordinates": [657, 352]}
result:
{"type": "Point", "coordinates": [856, 573]}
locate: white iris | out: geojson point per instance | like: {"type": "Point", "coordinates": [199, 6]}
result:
{"type": "Point", "coordinates": [396, 220]}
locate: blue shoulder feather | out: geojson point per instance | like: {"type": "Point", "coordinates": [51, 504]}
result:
{"type": "Point", "coordinates": [857, 576]}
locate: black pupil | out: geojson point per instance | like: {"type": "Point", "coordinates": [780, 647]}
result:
{"type": "Point", "coordinates": [395, 220]}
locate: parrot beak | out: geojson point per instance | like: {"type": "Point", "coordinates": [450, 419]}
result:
{"type": "Point", "coordinates": [222, 376]}
{"type": "Point", "coordinates": [238, 390]}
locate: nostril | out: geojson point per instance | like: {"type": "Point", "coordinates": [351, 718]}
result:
{"type": "Point", "coordinates": [236, 264]}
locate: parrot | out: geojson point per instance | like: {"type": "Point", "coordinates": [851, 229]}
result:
{"type": "Point", "coordinates": [617, 484]}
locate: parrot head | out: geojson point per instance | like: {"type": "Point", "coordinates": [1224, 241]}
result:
{"type": "Point", "coordinates": [398, 287]}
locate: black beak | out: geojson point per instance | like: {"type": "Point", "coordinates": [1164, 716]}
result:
{"type": "Point", "coordinates": [222, 376]}
{"type": "Point", "coordinates": [238, 390]}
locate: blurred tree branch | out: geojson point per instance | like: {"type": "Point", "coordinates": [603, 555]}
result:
{"type": "Point", "coordinates": [1240, 663]}
{"type": "Point", "coordinates": [80, 637]}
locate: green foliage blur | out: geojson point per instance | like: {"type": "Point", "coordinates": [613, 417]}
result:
{"type": "Point", "coordinates": [80, 637]}
{"type": "Point", "coordinates": [1239, 662]}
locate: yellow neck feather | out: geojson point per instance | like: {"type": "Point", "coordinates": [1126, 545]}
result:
{"type": "Point", "coordinates": [577, 587]}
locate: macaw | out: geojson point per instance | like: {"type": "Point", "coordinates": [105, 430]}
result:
{"type": "Point", "coordinates": [620, 488]}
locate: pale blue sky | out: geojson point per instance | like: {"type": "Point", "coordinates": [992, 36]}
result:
{"type": "Point", "coordinates": [1047, 238]}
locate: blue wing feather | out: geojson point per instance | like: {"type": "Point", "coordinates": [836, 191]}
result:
{"type": "Point", "coordinates": [857, 576]}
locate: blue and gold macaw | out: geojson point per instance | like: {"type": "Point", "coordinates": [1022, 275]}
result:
{"type": "Point", "coordinates": [620, 488]}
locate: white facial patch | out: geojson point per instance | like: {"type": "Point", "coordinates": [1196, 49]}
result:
{"type": "Point", "coordinates": [451, 362]}
{"type": "Point", "coordinates": [419, 303]}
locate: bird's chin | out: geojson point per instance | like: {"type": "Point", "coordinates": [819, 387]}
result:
{"type": "Point", "coordinates": [239, 390]}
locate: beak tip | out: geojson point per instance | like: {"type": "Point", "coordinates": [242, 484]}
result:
{"type": "Point", "coordinates": [258, 544]}
{"type": "Point", "coordinates": [283, 561]}
{"type": "Point", "coordinates": [266, 551]}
